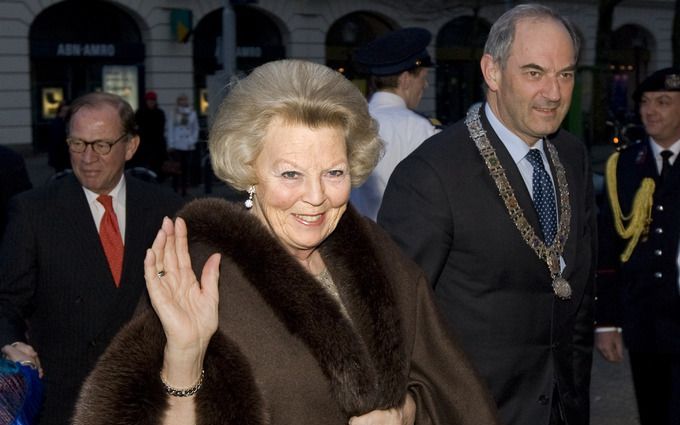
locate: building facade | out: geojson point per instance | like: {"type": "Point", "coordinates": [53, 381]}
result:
{"type": "Point", "coordinates": [52, 51]}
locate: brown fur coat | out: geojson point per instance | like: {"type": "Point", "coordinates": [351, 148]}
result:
{"type": "Point", "coordinates": [285, 352]}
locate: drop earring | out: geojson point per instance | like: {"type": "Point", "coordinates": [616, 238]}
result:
{"type": "Point", "coordinates": [249, 202]}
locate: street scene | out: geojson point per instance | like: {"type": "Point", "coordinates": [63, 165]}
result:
{"type": "Point", "coordinates": [340, 212]}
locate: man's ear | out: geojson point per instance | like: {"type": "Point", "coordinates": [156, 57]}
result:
{"type": "Point", "coordinates": [131, 147]}
{"type": "Point", "coordinates": [404, 80]}
{"type": "Point", "coordinates": [491, 71]}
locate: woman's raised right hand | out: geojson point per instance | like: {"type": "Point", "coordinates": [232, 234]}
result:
{"type": "Point", "coordinates": [187, 309]}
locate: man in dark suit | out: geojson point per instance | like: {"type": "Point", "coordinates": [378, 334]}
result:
{"type": "Point", "coordinates": [638, 284]}
{"type": "Point", "coordinates": [498, 210]}
{"type": "Point", "coordinates": [64, 292]}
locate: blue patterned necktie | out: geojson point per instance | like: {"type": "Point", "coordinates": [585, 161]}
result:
{"type": "Point", "coordinates": [544, 197]}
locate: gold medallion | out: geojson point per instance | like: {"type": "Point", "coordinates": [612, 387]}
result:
{"type": "Point", "coordinates": [561, 288]}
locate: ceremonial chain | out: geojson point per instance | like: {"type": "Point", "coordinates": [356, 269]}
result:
{"type": "Point", "coordinates": [549, 254]}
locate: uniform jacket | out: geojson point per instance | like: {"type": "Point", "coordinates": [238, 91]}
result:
{"type": "Point", "coordinates": [443, 208]}
{"type": "Point", "coordinates": [642, 295]}
{"type": "Point", "coordinates": [284, 352]}
{"type": "Point", "coordinates": [55, 280]}
{"type": "Point", "coordinates": [402, 130]}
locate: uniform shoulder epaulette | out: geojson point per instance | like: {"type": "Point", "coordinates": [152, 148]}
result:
{"type": "Point", "coordinates": [635, 224]}
{"type": "Point", "coordinates": [432, 120]}
{"type": "Point", "coordinates": [624, 146]}
{"type": "Point", "coordinates": [621, 148]}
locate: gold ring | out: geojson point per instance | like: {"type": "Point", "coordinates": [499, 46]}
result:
{"type": "Point", "coordinates": [160, 274]}
{"type": "Point", "coordinates": [28, 363]}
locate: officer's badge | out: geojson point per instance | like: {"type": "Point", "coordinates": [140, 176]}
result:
{"type": "Point", "coordinates": [672, 81]}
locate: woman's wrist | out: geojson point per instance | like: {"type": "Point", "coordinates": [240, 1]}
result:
{"type": "Point", "coordinates": [184, 391]}
{"type": "Point", "coordinates": [182, 368]}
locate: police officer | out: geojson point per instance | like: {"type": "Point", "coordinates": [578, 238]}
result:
{"type": "Point", "coordinates": [638, 282]}
{"type": "Point", "coordinates": [398, 65]}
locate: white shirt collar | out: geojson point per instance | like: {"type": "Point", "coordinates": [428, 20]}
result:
{"type": "Point", "coordinates": [118, 194]}
{"type": "Point", "coordinates": [385, 98]}
{"type": "Point", "coordinates": [517, 147]}
{"type": "Point", "coordinates": [656, 150]}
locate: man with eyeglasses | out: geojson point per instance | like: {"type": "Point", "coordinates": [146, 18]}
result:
{"type": "Point", "coordinates": [71, 260]}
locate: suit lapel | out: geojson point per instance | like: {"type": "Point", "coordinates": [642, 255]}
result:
{"type": "Point", "coordinates": [136, 224]}
{"type": "Point", "coordinates": [83, 231]}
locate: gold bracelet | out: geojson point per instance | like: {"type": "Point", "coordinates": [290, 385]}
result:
{"type": "Point", "coordinates": [186, 392]}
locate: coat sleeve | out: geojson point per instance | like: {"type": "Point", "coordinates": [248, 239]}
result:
{"type": "Point", "coordinates": [125, 386]}
{"type": "Point", "coordinates": [582, 335]}
{"type": "Point", "coordinates": [415, 212]}
{"type": "Point", "coordinates": [443, 382]}
{"type": "Point", "coordinates": [607, 306]}
{"type": "Point", "coordinates": [18, 271]}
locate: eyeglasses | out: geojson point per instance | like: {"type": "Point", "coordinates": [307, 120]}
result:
{"type": "Point", "coordinates": [102, 147]}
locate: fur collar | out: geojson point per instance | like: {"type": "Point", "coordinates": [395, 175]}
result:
{"type": "Point", "coordinates": [365, 362]}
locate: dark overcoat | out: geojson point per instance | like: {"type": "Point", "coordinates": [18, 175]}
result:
{"type": "Point", "coordinates": [56, 289]}
{"type": "Point", "coordinates": [444, 209]}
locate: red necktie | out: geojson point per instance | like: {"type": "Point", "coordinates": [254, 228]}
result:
{"type": "Point", "coordinates": [112, 242]}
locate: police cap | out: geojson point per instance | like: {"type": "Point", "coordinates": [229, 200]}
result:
{"type": "Point", "coordinates": [667, 79]}
{"type": "Point", "coordinates": [395, 52]}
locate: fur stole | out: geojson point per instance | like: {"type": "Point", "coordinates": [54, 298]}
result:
{"type": "Point", "coordinates": [125, 387]}
{"type": "Point", "coordinates": [365, 363]}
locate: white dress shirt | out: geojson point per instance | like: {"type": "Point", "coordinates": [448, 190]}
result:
{"type": "Point", "coordinates": [97, 209]}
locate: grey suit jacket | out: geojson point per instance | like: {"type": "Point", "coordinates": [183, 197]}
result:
{"type": "Point", "coordinates": [443, 208]}
{"type": "Point", "coordinates": [56, 289]}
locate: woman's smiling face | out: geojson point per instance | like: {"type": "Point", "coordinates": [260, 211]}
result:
{"type": "Point", "coordinates": [303, 183]}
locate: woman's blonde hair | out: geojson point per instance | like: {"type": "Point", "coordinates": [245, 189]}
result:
{"type": "Point", "coordinates": [298, 92]}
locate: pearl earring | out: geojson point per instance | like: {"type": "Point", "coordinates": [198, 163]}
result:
{"type": "Point", "coordinates": [249, 202]}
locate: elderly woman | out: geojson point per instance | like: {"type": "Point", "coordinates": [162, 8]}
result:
{"type": "Point", "coordinates": [305, 313]}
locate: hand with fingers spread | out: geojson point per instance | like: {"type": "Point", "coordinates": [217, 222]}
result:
{"type": "Point", "coordinates": [187, 309]}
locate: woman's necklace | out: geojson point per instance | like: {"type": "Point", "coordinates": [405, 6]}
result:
{"type": "Point", "coordinates": [549, 254]}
